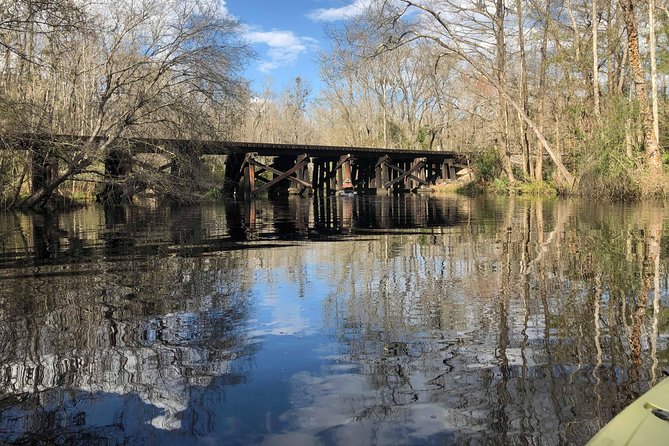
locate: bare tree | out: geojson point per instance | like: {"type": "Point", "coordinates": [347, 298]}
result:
{"type": "Point", "coordinates": [145, 68]}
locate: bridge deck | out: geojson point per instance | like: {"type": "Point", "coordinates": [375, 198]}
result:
{"type": "Point", "coordinates": [152, 145]}
{"type": "Point", "coordinates": [267, 149]}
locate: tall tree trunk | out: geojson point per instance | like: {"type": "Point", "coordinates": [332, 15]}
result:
{"type": "Point", "coordinates": [611, 51]}
{"type": "Point", "coordinates": [595, 61]}
{"type": "Point", "coordinates": [538, 163]}
{"type": "Point", "coordinates": [653, 159]}
{"type": "Point", "coordinates": [522, 92]}
{"type": "Point", "coordinates": [503, 115]}
{"type": "Point", "coordinates": [653, 70]}
{"type": "Point", "coordinates": [577, 37]}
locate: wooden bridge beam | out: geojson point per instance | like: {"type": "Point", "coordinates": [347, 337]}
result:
{"type": "Point", "coordinates": [329, 174]}
{"type": "Point", "coordinates": [234, 165]}
{"type": "Point", "coordinates": [302, 176]}
{"type": "Point", "coordinates": [302, 161]}
{"type": "Point", "coordinates": [365, 176]}
{"type": "Point", "coordinates": [448, 170]}
{"type": "Point", "coordinates": [382, 175]}
{"type": "Point", "coordinates": [417, 165]}
{"type": "Point", "coordinates": [249, 179]}
{"type": "Point", "coordinates": [405, 174]}
{"type": "Point", "coordinates": [344, 173]}
{"type": "Point", "coordinates": [316, 167]}
{"type": "Point", "coordinates": [262, 167]}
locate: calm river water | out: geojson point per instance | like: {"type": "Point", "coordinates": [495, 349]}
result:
{"type": "Point", "coordinates": [351, 321]}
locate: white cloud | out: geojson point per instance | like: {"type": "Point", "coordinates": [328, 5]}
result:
{"type": "Point", "coordinates": [345, 12]}
{"type": "Point", "coordinates": [284, 47]}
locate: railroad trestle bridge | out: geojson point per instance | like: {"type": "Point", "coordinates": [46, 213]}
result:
{"type": "Point", "coordinates": [306, 169]}
{"type": "Point", "coordinates": [256, 168]}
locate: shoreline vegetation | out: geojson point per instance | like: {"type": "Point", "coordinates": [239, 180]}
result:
{"type": "Point", "coordinates": [548, 98]}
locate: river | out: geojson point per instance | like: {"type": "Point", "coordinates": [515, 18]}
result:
{"type": "Point", "coordinates": [347, 320]}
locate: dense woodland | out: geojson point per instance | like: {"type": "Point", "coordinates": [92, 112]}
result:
{"type": "Point", "coordinates": [566, 92]}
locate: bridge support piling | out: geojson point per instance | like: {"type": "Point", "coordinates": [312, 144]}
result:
{"type": "Point", "coordinates": [315, 175]}
{"type": "Point", "coordinates": [298, 168]}
{"type": "Point", "coordinates": [407, 176]}
{"type": "Point", "coordinates": [233, 172]}
{"type": "Point", "coordinates": [323, 176]}
{"type": "Point", "coordinates": [363, 175]}
{"type": "Point", "coordinates": [248, 185]}
{"type": "Point", "coordinates": [433, 172]}
{"type": "Point", "coordinates": [445, 171]}
{"type": "Point", "coordinates": [281, 164]}
{"type": "Point", "coordinates": [344, 177]}
{"type": "Point", "coordinates": [330, 177]}
{"type": "Point", "coordinates": [340, 176]}
{"type": "Point", "coordinates": [381, 176]}
{"type": "Point", "coordinates": [302, 174]}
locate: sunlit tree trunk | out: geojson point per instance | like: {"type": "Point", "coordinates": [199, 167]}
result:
{"type": "Point", "coordinates": [653, 159]}
{"type": "Point", "coordinates": [653, 69]}
{"type": "Point", "coordinates": [595, 61]}
{"type": "Point", "coordinates": [522, 91]}
{"type": "Point", "coordinates": [538, 164]}
{"type": "Point", "coordinates": [503, 112]}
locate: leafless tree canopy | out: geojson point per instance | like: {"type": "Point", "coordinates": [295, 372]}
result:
{"type": "Point", "coordinates": [117, 69]}
{"type": "Point", "coordinates": [528, 80]}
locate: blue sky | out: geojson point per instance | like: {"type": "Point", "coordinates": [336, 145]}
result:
{"type": "Point", "coordinates": [287, 36]}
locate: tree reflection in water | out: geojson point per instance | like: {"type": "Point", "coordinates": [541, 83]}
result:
{"type": "Point", "coordinates": [337, 321]}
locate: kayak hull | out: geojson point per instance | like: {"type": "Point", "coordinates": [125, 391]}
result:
{"type": "Point", "coordinates": [644, 422]}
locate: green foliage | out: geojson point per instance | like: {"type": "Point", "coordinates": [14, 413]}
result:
{"type": "Point", "coordinates": [424, 137]}
{"type": "Point", "coordinates": [471, 189]}
{"type": "Point", "coordinates": [488, 169]}
{"type": "Point", "coordinates": [487, 165]}
{"type": "Point", "coordinates": [519, 173]}
{"type": "Point", "coordinates": [500, 186]}
{"type": "Point", "coordinates": [536, 188]}
{"type": "Point", "coordinates": [607, 170]}
{"type": "Point", "coordinates": [215, 194]}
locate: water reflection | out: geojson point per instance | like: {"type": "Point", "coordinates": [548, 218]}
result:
{"type": "Point", "coordinates": [355, 320]}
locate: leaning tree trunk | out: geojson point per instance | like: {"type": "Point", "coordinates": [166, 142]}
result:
{"type": "Point", "coordinates": [653, 158]}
